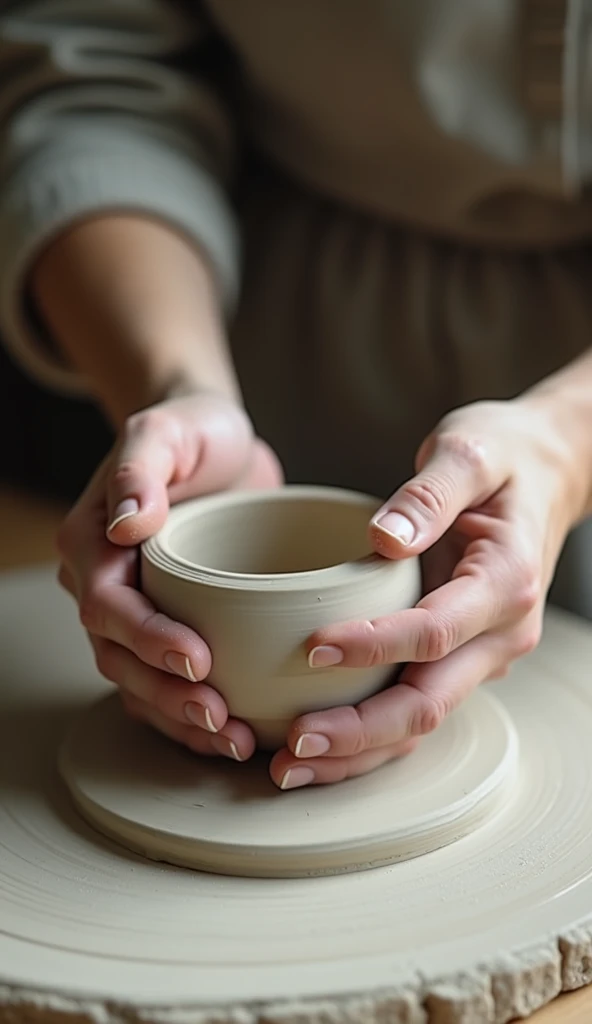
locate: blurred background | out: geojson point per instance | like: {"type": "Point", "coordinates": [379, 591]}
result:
{"type": "Point", "coordinates": [49, 446]}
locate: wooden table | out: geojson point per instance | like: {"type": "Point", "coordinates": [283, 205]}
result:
{"type": "Point", "coordinates": [27, 531]}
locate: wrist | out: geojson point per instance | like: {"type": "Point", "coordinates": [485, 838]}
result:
{"type": "Point", "coordinates": [133, 308]}
{"type": "Point", "coordinates": [564, 403]}
{"type": "Point", "coordinates": [186, 384]}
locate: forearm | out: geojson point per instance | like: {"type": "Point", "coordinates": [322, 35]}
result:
{"type": "Point", "coordinates": [133, 308]}
{"type": "Point", "coordinates": [567, 397]}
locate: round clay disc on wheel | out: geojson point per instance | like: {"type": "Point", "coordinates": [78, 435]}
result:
{"type": "Point", "coordinates": [215, 815]}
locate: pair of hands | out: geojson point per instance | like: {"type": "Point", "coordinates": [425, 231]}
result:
{"type": "Point", "coordinates": [489, 509]}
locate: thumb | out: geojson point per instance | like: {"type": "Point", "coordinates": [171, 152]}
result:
{"type": "Point", "coordinates": [137, 494]}
{"type": "Point", "coordinates": [454, 473]}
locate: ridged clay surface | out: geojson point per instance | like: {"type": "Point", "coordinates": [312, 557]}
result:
{"type": "Point", "coordinates": [256, 573]}
{"type": "Point", "coordinates": [486, 928]}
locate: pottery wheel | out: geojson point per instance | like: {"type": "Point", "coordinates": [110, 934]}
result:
{"type": "Point", "coordinates": [215, 815]}
{"type": "Point", "coordinates": [487, 928]}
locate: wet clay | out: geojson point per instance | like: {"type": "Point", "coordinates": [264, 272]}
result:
{"type": "Point", "coordinates": [487, 928]}
{"type": "Point", "coordinates": [255, 574]}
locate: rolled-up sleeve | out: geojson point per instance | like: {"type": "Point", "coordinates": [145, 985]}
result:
{"type": "Point", "coordinates": [103, 109]}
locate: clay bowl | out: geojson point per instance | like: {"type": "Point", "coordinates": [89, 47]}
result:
{"type": "Point", "coordinates": [255, 573]}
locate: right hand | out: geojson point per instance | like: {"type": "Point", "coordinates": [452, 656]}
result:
{"type": "Point", "coordinates": [179, 449]}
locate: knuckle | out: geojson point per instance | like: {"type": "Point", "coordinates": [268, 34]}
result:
{"type": "Point", "coordinates": [146, 421]}
{"type": "Point", "coordinates": [360, 739]}
{"type": "Point", "coordinates": [430, 494]}
{"type": "Point", "coordinates": [468, 449]}
{"type": "Point", "coordinates": [137, 428]}
{"type": "Point", "coordinates": [375, 650]}
{"type": "Point", "coordinates": [134, 424]}
{"type": "Point", "coordinates": [125, 472]}
{"type": "Point", "coordinates": [90, 612]}
{"type": "Point", "coordinates": [526, 587]}
{"type": "Point", "coordinates": [526, 597]}
{"type": "Point", "coordinates": [343, 771]}
{"type": "Point", "coordinates": [437, 639]}
{"type": "Point", "coordinates": [431, 712]}
{"type": "Point", "coordinates": [138, 639]}
{"type": "Point", "coordinates": [106, 660]}
{"type": "Point", "coordinates": [526, 641]}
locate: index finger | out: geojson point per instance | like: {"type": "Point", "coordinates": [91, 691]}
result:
{"type": "Point", "coordinates": [122, 614]}
{"type": "Point", "coordinates": [491, 586]}
{"type": "Point", "coordinates": [444, 620]}
{"type": "Point", "coordinates": [111, 606]}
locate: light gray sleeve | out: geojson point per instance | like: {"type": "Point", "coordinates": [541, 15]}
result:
{"type": "Point", "coordinates": [97, 115]}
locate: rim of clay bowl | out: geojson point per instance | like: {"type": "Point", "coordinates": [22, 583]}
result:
{"type": "Point", "coordinates": [157, 549]}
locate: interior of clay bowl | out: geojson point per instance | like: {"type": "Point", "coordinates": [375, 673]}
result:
{"type": "Point", "coordinates": [270, 537]}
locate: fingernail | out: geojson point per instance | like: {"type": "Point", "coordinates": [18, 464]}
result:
{"type": "Point", "coordinates": [396, 526]}
{"type": "Point", "coordinates": [325, 656]}
{"type": "Point", "coordinates": [312, 744]}
{"type": "Point", "coordinates": [227, 748]}
{"type": "Point", "coordinates": [296, 777]}
{"type": "Point", "coordinates": [126, 508]}
{"type": "Point", "coordinates": [180, 665]}
{"type": "Point", "coordinates": [198, 714]}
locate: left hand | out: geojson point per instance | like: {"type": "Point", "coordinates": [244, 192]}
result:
{"type": "Point", "coordinates": [496, 492]}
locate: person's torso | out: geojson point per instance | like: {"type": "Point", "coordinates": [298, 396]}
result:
{"type": "Point", "coordinates": [467, 117]}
